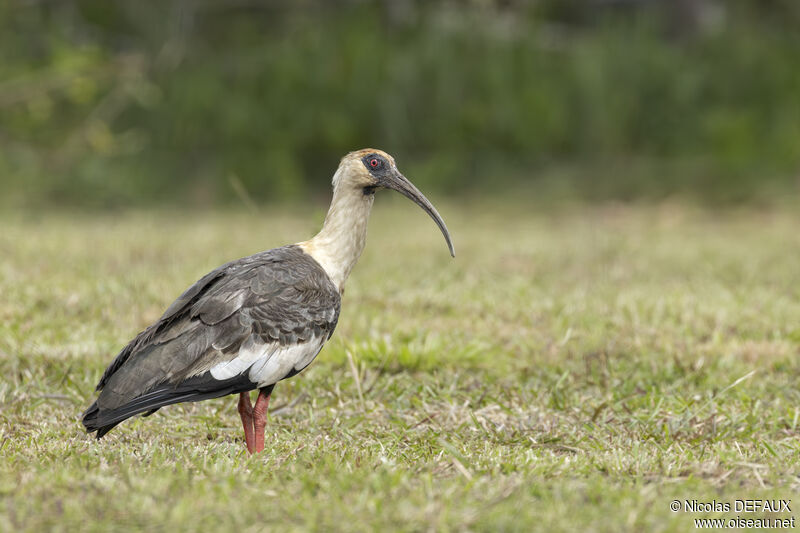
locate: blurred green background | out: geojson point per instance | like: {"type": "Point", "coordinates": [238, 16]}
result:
{"type": "Point", "coordinates": [204, 103]}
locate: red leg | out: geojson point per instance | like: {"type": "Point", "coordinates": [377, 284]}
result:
{"type": "Point", "coordinates": [246, 412]}
{"type": "Point", "coordinates": [260, 419]}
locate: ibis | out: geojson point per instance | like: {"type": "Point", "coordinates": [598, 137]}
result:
{"type": "Point", "coordinates": [254, 321]}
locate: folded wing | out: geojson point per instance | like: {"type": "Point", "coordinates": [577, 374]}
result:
{"type": "Point", "coordinates": [247, 324]}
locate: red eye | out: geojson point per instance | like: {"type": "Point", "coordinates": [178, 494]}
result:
{"type": "Point", "coordinates": [374, 163]}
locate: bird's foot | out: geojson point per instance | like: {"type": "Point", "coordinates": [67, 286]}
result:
{"type": "Point", "coordinates": [246, 412]}
{"type": "Point", "coordinates": [254, 420]}
{"type": "Point", "coordinates": [260, 420]}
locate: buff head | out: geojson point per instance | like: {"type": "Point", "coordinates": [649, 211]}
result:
{"type": "Point", "coordinates": [369, 170]}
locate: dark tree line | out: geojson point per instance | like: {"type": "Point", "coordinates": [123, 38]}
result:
{"type": "Point", "coordinates": [103, 103]}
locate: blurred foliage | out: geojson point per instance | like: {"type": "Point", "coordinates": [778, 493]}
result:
{"type": "Point", "coordinates": [195, 101]}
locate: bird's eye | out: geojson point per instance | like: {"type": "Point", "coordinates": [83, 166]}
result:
{"type": "Point", "coordinates": [374, 162]}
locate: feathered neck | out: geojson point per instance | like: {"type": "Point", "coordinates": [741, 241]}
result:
{"type": "Point", "coordinates": [339, 244]}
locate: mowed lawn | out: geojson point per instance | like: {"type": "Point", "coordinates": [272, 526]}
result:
{"type": "Point", "coordinates": [575, 369]}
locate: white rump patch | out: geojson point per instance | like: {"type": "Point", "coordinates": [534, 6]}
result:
{"type": "Point", "coordinates": [268, 363]}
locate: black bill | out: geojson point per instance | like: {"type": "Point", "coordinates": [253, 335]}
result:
{"type": "Point", "coordinates": [400, 183]}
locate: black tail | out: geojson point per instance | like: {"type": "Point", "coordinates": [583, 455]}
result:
{"type": "Point", "coordinates": [202, 387]}
{"type": "Point", "coordinates": [91, 421]}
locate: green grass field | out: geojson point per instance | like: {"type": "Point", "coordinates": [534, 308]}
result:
{"type": "Point", "coordinates": [572, 370]}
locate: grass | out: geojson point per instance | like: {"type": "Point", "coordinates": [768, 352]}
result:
{"type": "Point", "coordinates": [570, 370]}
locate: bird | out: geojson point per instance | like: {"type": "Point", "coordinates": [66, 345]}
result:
{"type": "Point", "coordinates": [254, 321]}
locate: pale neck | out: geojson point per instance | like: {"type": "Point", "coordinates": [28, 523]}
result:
{"type": "Point", "coordinates": [339, 244]}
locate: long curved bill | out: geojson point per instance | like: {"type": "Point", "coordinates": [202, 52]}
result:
{"type": "Point", "coordinates": [400, 183]}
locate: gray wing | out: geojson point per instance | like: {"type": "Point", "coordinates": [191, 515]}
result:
{"type": "Point", "coordinates": [278, 298]}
